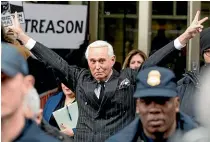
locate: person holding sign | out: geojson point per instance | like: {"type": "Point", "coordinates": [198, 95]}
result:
{"type": "Point", "coordinates": [104, 96]}
{"type": "Point", "coordinates": [60, 100]}
{"type": "Point", "coordinates": [9, 38]}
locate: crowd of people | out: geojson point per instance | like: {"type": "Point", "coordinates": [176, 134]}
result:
{"type": "Point", "coordinates": [142, 102]}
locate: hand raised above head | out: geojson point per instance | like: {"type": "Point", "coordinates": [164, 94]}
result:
{"type": "Point", "coordinates": [196, 25]}
{"type": "Point", "coordinates": [194, 28]}
{"type": "Point", "coordinates": [17, 30]}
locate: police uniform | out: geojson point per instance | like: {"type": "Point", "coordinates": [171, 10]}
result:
{"type": "Point", "coordinates": [152, 82]}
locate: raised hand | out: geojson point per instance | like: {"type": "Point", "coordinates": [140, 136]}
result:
{"type": "Point", "coordinates": [17, 30]}
{"type": "Point", "coordinates": [194, 28]}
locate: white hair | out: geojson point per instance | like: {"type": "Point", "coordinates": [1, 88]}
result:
{"type": "Point", "coordinates": [100, 44]}
{"type": "Point", "coordinates": [32, 101]}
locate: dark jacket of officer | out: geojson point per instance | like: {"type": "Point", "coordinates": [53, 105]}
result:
{"type": "Point", "coordinates": [134, 131]}
{"type": "Point", "coordinates": [54, 132]}
{"type": "Point", "coordinates": [32, 133]}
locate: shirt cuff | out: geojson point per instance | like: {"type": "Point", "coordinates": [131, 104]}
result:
{"type": "Point", "coordinates": [30, 44]}
{"type": "Point", "coordinates": [177, 44]}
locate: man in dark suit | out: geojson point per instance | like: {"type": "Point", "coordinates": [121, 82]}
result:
{"type": "Point", "coordinates": [105, 97]}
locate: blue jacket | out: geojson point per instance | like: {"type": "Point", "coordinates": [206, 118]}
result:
{"type": "Point", "coordinates": [32, 133]}
{"type": "Point", "coordinates": [50, 106]}
{"type": "Point", "coordinates": [130, 132]}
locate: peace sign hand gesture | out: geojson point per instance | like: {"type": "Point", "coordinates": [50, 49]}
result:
{"type": "Point", "coordinates": [194, 28]}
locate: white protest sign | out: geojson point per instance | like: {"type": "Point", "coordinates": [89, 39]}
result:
{"type": "Point", "coordinates": [56, 26]}
{"type": "Point", "coordinates": [8, 9]}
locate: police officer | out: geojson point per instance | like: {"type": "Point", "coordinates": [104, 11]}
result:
{"type": "Point", "coordinates": [15, 85]}
{"type": "Point", "coordinates": [157, 104]}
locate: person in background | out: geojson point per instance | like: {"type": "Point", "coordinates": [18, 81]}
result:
{"type": "Point", "coordinates": [205, 47]}
{"type": "Point", "coordinates": [190, 83]}
{"type": "Point", "coordinates": [159, 40]}
{"type": "Point", "coordinates": [36, 68]}
{"type": "Point", "coordinates": [64, 97]}
{"type": "Point", "coordinates": [134, 59]}
{"type": "Point", "coordinates": [9, 38]}
{"type": "Point", "coordinates": [157, 104]}
{"type": "Point", "coordinates": [15, 85]}
{"type": "Point", "coordinates": [32, 111]}
{"type": "Point", "coordinates": [32, 106]}
{"type": "Point", "coordinates": [201, 101]}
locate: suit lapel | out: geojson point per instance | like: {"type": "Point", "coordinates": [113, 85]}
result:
{"type": "Point", "coordinates": [110, 88]}
{"type": "Point", "coordinates": [89, 91]}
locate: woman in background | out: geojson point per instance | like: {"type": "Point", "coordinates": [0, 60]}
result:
{"type": "Point", "coordinates": [64, 97]}
{"type": "Point", "coordinates": [134, 59]}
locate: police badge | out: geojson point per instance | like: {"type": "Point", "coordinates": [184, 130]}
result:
{"type": "Point", "coordinates": [153, 78]}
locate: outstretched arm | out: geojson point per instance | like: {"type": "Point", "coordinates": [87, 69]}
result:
{"type": "Point", "coordinates": [180, 42]}
{"type": "Point", "coordinates": [67, 74]}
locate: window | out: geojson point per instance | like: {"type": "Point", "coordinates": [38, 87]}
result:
{"type": "Point", "coordinates": [181, 7]}
{"type": "Point", "coordinates": [162, 8]}
{"type": "Point", "coordinates": [119, 7]}
{"type": "Point", "coordinates": [118, 24]}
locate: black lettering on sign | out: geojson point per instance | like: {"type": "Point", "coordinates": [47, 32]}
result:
{"type": "Point", "coordinates": [71, 26]}
{"type": "Point", "coordinates": [50, 27]}
{"type": "Point", "coordinates": [27, 23]}
{"type": "Point", "coordinates": [79, 26]}
{"type": "Point", "coordinates": [41, 26]}
{"type": "Point", "coordinates": [34, 26]}
{"type": "Point", "coordinates": [59, 25]}
{"type": "Point", "coordinates": [21, 20]}
{"type": "Point", "coordinates": [20, 15]}
{"type": "Point", "coordinates": [7, 22]}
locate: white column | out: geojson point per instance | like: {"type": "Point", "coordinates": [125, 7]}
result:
{"type": "Point", "coordinates": [144, 26]}
{"type": "Point", "coordinates": [193, 50]}
{"type": "Point", "coordinates": [93, 20]}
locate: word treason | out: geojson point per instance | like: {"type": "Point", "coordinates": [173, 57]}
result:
{"type": "Point", "coordinates": [50, 26]}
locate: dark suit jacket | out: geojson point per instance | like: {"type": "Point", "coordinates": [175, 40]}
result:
{"type": "Point", "coordinates": [98, 121]}
{"type": "Point", "coordinates": [32, 133]}
{"type": "Point", "coordinates": [54, 132]}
